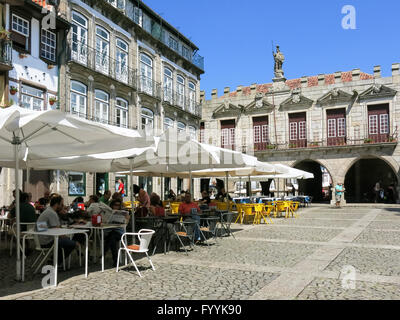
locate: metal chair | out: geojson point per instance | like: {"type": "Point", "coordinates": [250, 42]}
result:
{"type": "Point", "coordinates": [185, 229]}
{"type": "Point", "coordinates": [144, 237]}
{"type": "Point", "coordinates": [226, 221]}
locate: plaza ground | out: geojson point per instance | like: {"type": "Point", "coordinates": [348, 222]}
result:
{"type": "Point", "coordinates": [299, 258]}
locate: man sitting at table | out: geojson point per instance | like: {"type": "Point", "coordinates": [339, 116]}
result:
{"type": "Point", "coordinates": [106, 197]}
{"type": "Point", "coordinates": [185, 208]}
{"type": "Point", "coordinates": [50, 216]}
{"type": "Point", "coordinates": [205, 200]}
{"type": "Point", "coordinates": [221, 195]}
{"type": "Point", "coordinates": [26, 211]}
{"type": "Point", "coordinates": [97, 207]}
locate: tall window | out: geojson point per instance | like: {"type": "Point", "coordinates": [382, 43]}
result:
{"type": "Point", "coordinates": [121, 113]}
{"type": "Point", "coordinates": [102, 50]}
{"type": "Point", "coordinates": [120, 4]}
{"type": "Point", "coordinates": [173, 44]}
{"type": "Point", "coordinates": [186, 53]}
{"type": "Point", "coordinates": [181, 127]}
{"type": "Point", "coordinates": [32, 98]}
{"type": "Point", "coordinates": [378, 122]}
{"type": "Point", "coordinates": [102, 105]}
{"type": "Point", "coordinates": [76, 184]}
{"type": "Point", "coordinates": [20, 32]}
{"type": "Point", "coordinates": [192, 132]}
{"type": "Point", "coordinates": [168, 123]}
{"type": "Point", "coordinates": [79, 37]}
{"type": "Point", "coordinates": [297, 130]}
{"type": "Point", "coordinates": [180, 91]}
{"type": "Point", "coordinates": [146, 74]}
{"type": "Point", "coordinates": [192, 97]}
{"type": "Point", "coordinates": [121, 63]}
{"type": "Point", "coordinates": [48, 45]}
{"type": "Point", "coordinates": [78, 98]}
{"type": "Point", "coordinates": [168, 85]}
{"type": "Point", "coordinates": [202, 128]}
{"type": "Point", "coordinates": [147, 119]}
{"type": "Point", "coordinates": [228, 134]}
{"type": "Point", "coordinates": [336, 126]}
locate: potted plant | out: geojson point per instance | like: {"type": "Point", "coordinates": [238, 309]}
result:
{"type": "Point", "coordinates": [13, 90]}
{"type": "Point", "coordinates": [52, 100]}
{"type": "Point", "coordinates": [8, 104]}
{"type": "Point", "coordinates": [292, 145]}
{"type": "Point", "coordinates": [22, 55]}
{"type": "Point", "coordinates": [50, 66]}
{"type": "Point", "coordinates": [270, 147]}
{"type": "Point", "coordinates": [368, 140]}
{"type": "Point", "coordinates": [4, 34]}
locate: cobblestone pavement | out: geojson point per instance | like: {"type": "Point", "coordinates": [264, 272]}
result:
{"type": "Point", "coordinates": [303, 258]}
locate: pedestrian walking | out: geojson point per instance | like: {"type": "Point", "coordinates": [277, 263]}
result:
{"type": "Point", "coordinates": [339, 189]}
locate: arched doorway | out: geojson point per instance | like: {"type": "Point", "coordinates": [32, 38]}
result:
{"type": "Point", "coordinates": [319, 187]}
{"type": "Point", "coordinates": [362, 176]}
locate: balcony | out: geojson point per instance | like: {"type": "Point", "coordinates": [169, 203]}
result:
{"type": "Point", "coordinates": [328, 144]}
{"type": "Point", "coordinates": [5, 55]}
{"type": "Point", "coordinates": [97, 119]}
{"type": "Point", "coordinates": [181, 101]}
{"type": "Point", "coordinates": [149, 87]}
{"type": "Point", "coordinates": [101, 62]}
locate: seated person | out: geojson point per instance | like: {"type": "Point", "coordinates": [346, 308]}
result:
{"type": "Point", "coordinates": [181, 197]}
{"type": "Point", "coordinates": [171, 195]}
{"type": "Point", "coordinates": [117, 196]}
{"type": "Point", "coordinates": [221, 195]}
{"type": "Point", "coordinates": [106, 197]}
{"type": "Point", "coordinates": [96, 207]}
{"type": "Point", "coordinates": [144, 204]}
{"type": "Point", "coordinates": [26, 210]}
{"type": "Point", "coordinates": [186, 208]}
{"type": "Point", "coordinates": [50, 216]}
{"type": "Point", "coordinates": [156, 208]}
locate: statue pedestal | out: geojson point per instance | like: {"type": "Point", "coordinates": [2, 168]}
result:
{"type": "Point", "coordinates": [279, 84]}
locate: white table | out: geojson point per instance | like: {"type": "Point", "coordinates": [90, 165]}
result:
{"type": "Point", "coordinates": [96, 229]}
{"type": "Point", "coordinates": [3, 220]}
{"type": "Point", "coordinates": [56, 233]}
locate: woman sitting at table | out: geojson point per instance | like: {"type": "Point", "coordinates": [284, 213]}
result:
{"type": "Point", "coordinates": [144, 204]}
{"type": "Point", "coordinates": [171, 195]}
{"type": "Point", "coordinates": [156, 209]}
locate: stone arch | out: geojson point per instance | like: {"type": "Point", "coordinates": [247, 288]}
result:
{"type": "Point", "coordinates": [314, 187]}
{"type": "Point", "coordinates": [360, 186]}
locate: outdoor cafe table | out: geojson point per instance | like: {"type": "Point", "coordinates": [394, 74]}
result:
{"type": "Point", "coordinates": [56, 233]}
{"type": "Point", "coordinates": [3, 220]}
{"type": "Point", "coordinates": [101, 228]}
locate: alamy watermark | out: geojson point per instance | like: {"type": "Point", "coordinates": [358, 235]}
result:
{"type": "Point", "coordinates": [348, 274]}
{"type": "Point", "coordinates": [49, 20]}
{"type": "Point", "coordinates": [49, 279]}
{"type": "Point", "coordinates": [349, 20]}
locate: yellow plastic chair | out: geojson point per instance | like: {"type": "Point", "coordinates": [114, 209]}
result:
{"type": "Point", "coordinates": [279, 208]}
{"type": "Point", "coordinates": [127, 204]}
{"type": "Point", "coordinates": [248, 211]}
{"type": "Point", "coordinates": [222, 206]}
{"type": "Point", "coordinates": [287, 206]}
{"type": "Point", "coordinates": [261, 212]}
{"type": "Point", "coordinates": [239, 209]}
{"type": "Point", "coordinates": [294, 206]}
{"type": "Point", "coordinates": [175, 207]}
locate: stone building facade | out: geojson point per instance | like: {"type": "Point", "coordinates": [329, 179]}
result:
{"type": "Point", "coordinates": [346, 122]}
{"type": "Point", "coordinates": [124, 65]}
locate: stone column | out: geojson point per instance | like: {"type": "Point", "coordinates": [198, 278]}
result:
{"type": "Point", "coordinates": [90, 97]}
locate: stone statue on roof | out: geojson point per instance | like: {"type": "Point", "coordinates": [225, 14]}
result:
{"type": "Point", "coordinates": [279, 59]}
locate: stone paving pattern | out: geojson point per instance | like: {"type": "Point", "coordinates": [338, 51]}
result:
{"type": "Point", "coordinates": [291, 259]}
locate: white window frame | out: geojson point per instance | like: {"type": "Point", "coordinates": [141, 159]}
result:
{"type": "Point", "coordinates": [102, 59]}
{"type": "Point", "coordinates": [180, 91]}
{"type": "Point", "coordinates": [293, 131]}
{"type": "Point", "coordinates": [302, 130]}
{"type": "Point", "coordinates": [47, 48]}
{"type": "Point", "coordinates": [370, 124]}
{"type": "Point", "coordinates": [168, 123]}
{"type": "Point", "coordinates": [332, 128]}
{"type": "Point", "coordinates": [264, 133]}
{"type": "Point", "coordinates": [79, 49]}
{"type": "Point", "coordinates": [181, 127]}
{"type": "Point", "coordinates": [192, 132]}
{"type": "Point", "coordinates": [168, 85]}
{"type": "Point", "coordinates": [122, 112]}
{"type": "Point", "coordinates": [341, 125]}
{"type": "Point", "coordinates": [121, 54]}
{"type": "Point", "coordinates": [146, 82]}
{"type": "Point", "coordinates": [171, 43]}
{"type": "Point", "coordinates": [148, 116]}
{"type": "Point", "coordinates": [192, 97]}
{"type": "Point", "coordinates": [18, 23]}
{"type": "Point", "coordinates": [78, 95]}
{"type": "Point", "coordinates": [384, 123]}
{"type": "Point", "coordinates": [257, 134]}
{"type": "Point", "coordinates": [102, 105]}
{"type": "Point", "coordinates": [33, 98]}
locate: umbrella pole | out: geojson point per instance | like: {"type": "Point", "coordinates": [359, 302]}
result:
{"type": "Point", "coordinates": [191, 184]}
{"type": "Point", "coordinates": [132, 206]}
{"type": "Point", "coordinates": [162, 187]}
{"type": "Point", "coordinates": [16, 142]}
{"type": "Point", "coordinates": [227, 188]}
{"type": "Point", "coordinates": [28, 171]}
{"type": "Point", "coordinates": [250, 194]}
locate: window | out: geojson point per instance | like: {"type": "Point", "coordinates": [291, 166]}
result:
{"type": "Point", "coordinates": [186, 53]}
{"type": "Point", "coordinates": [121, 63]}
{"type": "Point", "coordinates": [384, 123]}
{"type": "Point", "coordinates": [48, 45]}
{"type": "Point", "coordinates": [373, 124]}
{"type": "Point", "coordinates": [228, 134]}
{"type": "Point", "coordinates": [168, 96]}
{"type": "Point", "coordinates": [79, 38]}
{"type": "Point", "coordinates": [192, 97]}
{"type": "Point", "coordinates": [20, 32]}
{"type": "Point", "coordinates": [146, 74]}
{"type": "Point", "coordinates": [147, 119]}
{"type": "Point", "coordinates": [101, 108]}
{"type": "Point", "coordinates": [180, 91]}
{"type": "Point", "coordinates": [121, 113]}
{"type": "Point", "coordinates": [341, 127]}
{"type": "Point", "coordinates": [102, 50]}
{"type": "Point", "coordinates": [20, 25]}
{"type": "Point", "coordinates": [77, 184]}
{"type": "Point", "coordinates": [192, 132]}
{"type": "Point", "coordinates": [331, 128]}
{"type": "Point", "coordinates": [257, 134]}
{"type": "Point", "coordinates": [78, 98]}
{"type": "Point", "coordinates": [137, 15]}
{"type": "Point", "coordinates": [202, 128]}
{"type": "Point", "coordinates": [181, 127]}
{"type": "Point", "coordinates": [32, 98]}
{"type": "Point", "coordinates": [173, 44]}
{"type": "Point", "coordinates": [293, 131]}
{"type": "Point", "coordinates": [302, 130]}
{"type": "Point", "coordinates": [120, 4]}
{"type": "Point", "coordinates": [168, 123]}
{"type": "Point", "coordinates": [124, 179]}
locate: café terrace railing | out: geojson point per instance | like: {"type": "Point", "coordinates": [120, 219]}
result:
{"type": "Point", "coordinates": [327, 143]}
{"type": "Point", "coordinates": [181, 101]}
{"type": "Point", "coordinates": [101, 62]}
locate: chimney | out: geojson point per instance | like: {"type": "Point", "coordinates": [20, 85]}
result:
{"type": "Point", "coordinates": [377, 72]}
{"type": "Point", "coordinates": [214, 94]}
{"type": "Point", "coordinates": [253, 88]}
{"type": "Point", "coordinates": [321, 79]}
{"type": "Point", "coordinates": [395, 69]}
{"type": "Point", "coordinates": [338, 76]}
{"type": "Point", "coordinates": [226, 91]}
{"type": "Point", "coordinates": [202, 96]}
{"type": "Point", "coordinates": [356, 74]}
{"type": "Point", "coordinates": [239, 90]}
{"type": "Point", "coordinates": [304, 82]}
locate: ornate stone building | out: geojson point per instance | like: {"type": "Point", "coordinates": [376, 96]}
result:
{"type": "Point", "coordinates": [345, 122]}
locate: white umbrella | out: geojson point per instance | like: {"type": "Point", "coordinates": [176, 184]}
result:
{"type": "Point", "coordinates": [37, 135]}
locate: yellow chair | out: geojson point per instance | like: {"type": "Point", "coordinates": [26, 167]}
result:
{"type": "Point", "coordinates": [175, 207]}
{"type": "Point", "coordinates": [260, 210]}
{"type": "Point", "coordinates": [222, 206]}
{"type": "Point", "coordinates": [293, 207]}
{"type": "Point", "coordinates": [127, 204]}
{"type": "Point", "coordinates": [240, 213]}
{"type": "Point", "coordinates": [280, 207]}
{"type": "Point", "coordinates": [248, 211]}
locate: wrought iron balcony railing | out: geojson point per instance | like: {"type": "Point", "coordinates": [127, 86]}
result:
{"type": "Point", "coordinates": [180, 100]}
{"type": "Point", "coordinates": [101, 62]}
{"type": "Point", "coordinates": [6, 52]}
{"type": "Point", "coordinates": [149, 86]}
{"type": "Point", "coordinates": [98, 119]}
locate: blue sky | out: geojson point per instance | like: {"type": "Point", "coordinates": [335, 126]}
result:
{"type": "Point", "coordinates": [235, 37]}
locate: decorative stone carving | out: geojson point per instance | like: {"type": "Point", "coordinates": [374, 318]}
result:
{"type": "Point", "coordinates": [335, 96]}
{"type": "Point", "coordinates": [377, 91]}
{"type": "Point", "coordinates": [296, 101]}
